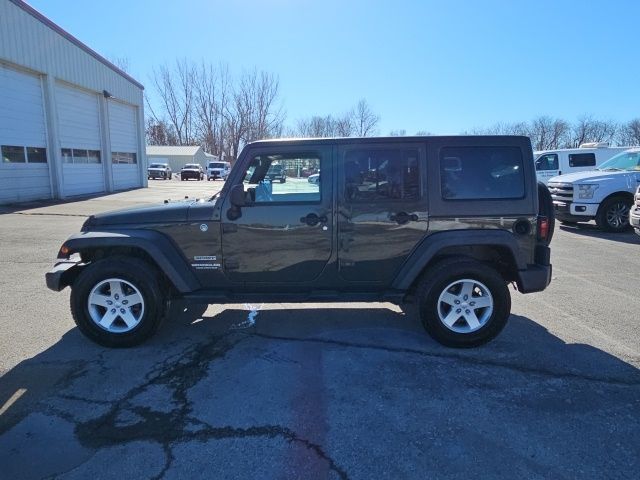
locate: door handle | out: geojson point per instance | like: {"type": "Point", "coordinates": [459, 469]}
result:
{"type": "Point", "coordinates": [403, 217]}
{"type": "Point", "coordinates": [313, 219]}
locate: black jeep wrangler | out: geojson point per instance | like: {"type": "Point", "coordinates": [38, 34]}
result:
{"type": "Point", "coordinates": [445, 222]}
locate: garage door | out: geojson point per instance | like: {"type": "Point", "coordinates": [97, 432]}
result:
{"type": "Point", "coordinates": [124, 145]}
{"type": "Point", "coordinates": [79, 126]}
{"type": "Point", "coordinates": [24, 171]}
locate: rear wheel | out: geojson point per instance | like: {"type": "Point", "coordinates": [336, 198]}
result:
{"type": "Point", "coordinates": [463, 303]}
{"type": "Point", "coordinates": [613, 215]}
{"type": "Point", "coordinates": [117, 302]}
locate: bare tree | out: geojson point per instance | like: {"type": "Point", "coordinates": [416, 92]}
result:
{"type": "Point", "coordinates": [398, 133]}
{"type": "Point", "coordinates": [211, 98]}
{"type": "Point", "coordinates": [588, 129]}
{"type": "Point", "coordinates": [423, 133]}
{"type": "Point", "coordinates": [629, 133]}
{"type": "Point", "coordinates": [159, 132]}
{"type": "Point", "coordinates": [548, 133]}
{"type": "Point", "coordinates": [364, 120]}
{"type": "Point", "coordinates": [176, 89]}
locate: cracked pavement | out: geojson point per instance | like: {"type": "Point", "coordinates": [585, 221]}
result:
{"type": "Point", "coordinates": [338, 391]}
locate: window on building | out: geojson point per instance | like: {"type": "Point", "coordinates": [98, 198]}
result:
{"type": "Point", "coordinates": [381, 174]}
{"type": "Point", "coordinates": [582, 160]}
{"type": "Point", "coordinates": [80, 156]}
{"type": "Point", "coordinates": [123, 158]}
{"type": "Point", "coordinates": [485, 173]}
{"type": "Point", "coordinates": [16, 154]}
{"type": "Point", "coordinates": [13, 154]}
{"type": "Point", "coordinates": [36, 155]}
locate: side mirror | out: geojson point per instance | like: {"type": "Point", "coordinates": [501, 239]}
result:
{"type": "Point", "coordinates": [238, 196]}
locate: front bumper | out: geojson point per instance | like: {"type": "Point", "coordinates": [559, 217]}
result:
{"type": "Point", "coordinates": [634, 218]}
{"type": "Point", "coordinates": [190, 174]}
{"type": "Point", "coordinates": [537, 276]}
{"type": "Point", "coordinates": [63, 274]}
{"type": "Point", "coordinates": [574, 211]}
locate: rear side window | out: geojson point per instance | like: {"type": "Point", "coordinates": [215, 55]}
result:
{"type": "Point", "coordinates": [483, 173]}
{"type": "Point", "coordinates": [381, 174]}
{"type": "Point", "coordinates": [582, 160]}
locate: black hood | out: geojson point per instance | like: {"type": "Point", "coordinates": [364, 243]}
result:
{"type": "Point", "coordinates": [172, 212]}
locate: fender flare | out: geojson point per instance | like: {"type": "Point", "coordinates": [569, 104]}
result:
{"type": "Point", "coordinates": [436, 242]}
{"type": "Point", "coordinates": [159, 247]}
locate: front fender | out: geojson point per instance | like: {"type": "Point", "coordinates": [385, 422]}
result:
{"type": "Point", "coordinates": [165, 254]}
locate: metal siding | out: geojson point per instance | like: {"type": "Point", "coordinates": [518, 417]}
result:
{"type": "Point", "coordinates": [82, 179]}
{"type": "Point", "coordinates": [122, 127]}
{"type": "Point", "coordinates": [125, 176]}
{"type": "Point", "coordinates": [78, 118]}
{"type": "Point", "coordinates": [28, 42]}
{"type": "Point", "coordinates": [22, 123]}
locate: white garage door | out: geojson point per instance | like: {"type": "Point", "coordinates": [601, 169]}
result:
{"type": "Point", "coordinates": [24, 171]}
{"type": "Point", "coordinates": [79, 126]}
{"type": "Point", "coordinates": [124, 145]}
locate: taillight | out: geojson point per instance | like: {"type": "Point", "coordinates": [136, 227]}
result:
{"type": "Point", "coordinates": [543, 228]}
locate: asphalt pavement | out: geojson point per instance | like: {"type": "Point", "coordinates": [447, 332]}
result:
{"type": "Point", "coordinates": [354, 391]}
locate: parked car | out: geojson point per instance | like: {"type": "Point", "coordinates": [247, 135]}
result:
{"type": "Point", "coordinates": [315, 178]}
{"type": "Point", "coordinates": [159, 170]}
{"type": "Point", "coordinates": [634, 213]}
{"type": "Point", "coordinates": [551, 163]}
{"type": "Point", "coordinates": [604, 195]}
{"type": "Point", "coordinates": [218, 170]}
{"type": "Point", "coordinates": [192, 170]}
{"type": "Point", "coordinates": [276, 172]}
{"type": "Point", "coordinates": [449, 232]}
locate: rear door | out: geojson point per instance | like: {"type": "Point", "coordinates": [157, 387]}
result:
{"type": "Point", "coordinates": [382, 209]}
{"type": "Point", "coordinates": [285, 235]}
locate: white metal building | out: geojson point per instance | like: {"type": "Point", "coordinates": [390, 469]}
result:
{"type": "Point", "coordinates": [178, 157]}
{"type": "Point", "coordinates": [71, 123]}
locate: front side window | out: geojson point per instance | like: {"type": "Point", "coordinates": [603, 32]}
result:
{"type": "Point", "coordinates": [547, 162]}
{"type": "Point", "coordinates": [582, 160]}
{"type": "Point", "coordinates": [279, 178]}
{"type": "Point", "coordinates": [381, 174]}
{"type": "Point", "coordinates": [123, 158]}
{"type": "Point", "coordinates": [484, 173]}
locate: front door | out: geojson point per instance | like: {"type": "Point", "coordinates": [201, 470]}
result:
{"type": "Point", "coordinates": [382, 211]}
{"type": "Point", "coordinates": [547, 166]}
{"type": "Point", "coordinates": [284, 234]}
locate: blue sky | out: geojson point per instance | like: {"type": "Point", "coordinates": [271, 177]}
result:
{"type": "Point", "coordinates": [441, 66]}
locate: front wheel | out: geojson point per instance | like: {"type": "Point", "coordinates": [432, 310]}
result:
{"type": "Point", "coordinates": [463, 303]}
{"type": "Point", "coordinates": [117, 302]}
{"type": "Point", "coordinates": [613, 215]}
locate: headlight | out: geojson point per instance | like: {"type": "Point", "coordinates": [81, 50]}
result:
{"type": "Point", "coordinates": [586, 191]}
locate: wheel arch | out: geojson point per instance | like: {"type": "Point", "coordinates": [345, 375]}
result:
{"type": "Point", "coordinates": [623, 194]}
{"type": "Point", "coordinates": [152, 247]}
{"type": "Point", "coordinates": [496, 247]}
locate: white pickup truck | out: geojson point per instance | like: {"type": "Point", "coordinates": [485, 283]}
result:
{"type": "Point", "coordinates": [604, 195]}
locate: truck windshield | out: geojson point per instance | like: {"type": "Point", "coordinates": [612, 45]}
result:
{"type": "Point", "coordinates": [156, 165]}
{"type": "Point", "coordinates": [216, 165]}
{"type": "Point", "coordinates": [622, 161]}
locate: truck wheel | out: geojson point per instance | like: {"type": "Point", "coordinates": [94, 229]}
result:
{"type": "Point", "coordinates": [613, 215]}
{"type": "Point", "coordinates": [463, 303]}
{"type": "Point", "coordinates": [117, 302]}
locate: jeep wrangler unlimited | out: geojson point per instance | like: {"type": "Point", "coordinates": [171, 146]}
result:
{"type": "Point", "coordinates": [444, 222]}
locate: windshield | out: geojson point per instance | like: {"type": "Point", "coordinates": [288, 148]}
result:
{"type": "Point", "coordinates": [622, 161]}
{"type": "Point", "coordinates": [156, 165]}
{"type": "Point", "coordinates": [216, 165]}
{"type": "Point", "coordinates": [191, 165]}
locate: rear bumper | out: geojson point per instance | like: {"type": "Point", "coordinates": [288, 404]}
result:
{"type": "Point", "coordinates": [62, 275]}
{"type": "Point", "coordinates": [537, 276]}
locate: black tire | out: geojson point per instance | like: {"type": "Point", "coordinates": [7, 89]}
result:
{"type": "Point", "coordinates": [137, 273]}
{"type": "Point", "coordinates": [546, 209]}
{"type": "Point", "coordinates": [436, 280]}
{"type": "Point", "coordinates": [282, 180]}
{"type": "Point", "coordinates": [604, 217]}
{"type": "Point", "coordinates": [182, 179]}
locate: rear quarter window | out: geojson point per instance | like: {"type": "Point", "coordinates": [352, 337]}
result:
{"type": "Point", "coordinates": [481, 173]}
